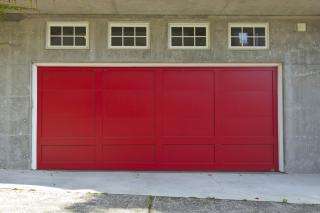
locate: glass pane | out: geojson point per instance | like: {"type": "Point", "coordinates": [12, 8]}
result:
{"type": "Point", "coordinates": [188, 31]}
{"type": "Point", "coordinates": [201, 41]}
{"type": "Point", "coordinates": [68, 41]}
{"type": "Point", "coordinates": [248, 31]}
{"type": "Point", "coordinates": [55, 41]}
{"type": "Point", "coordinates": [141, 31]}
{"type": "Point", "coordinates": [201, 31]}
{"type": "Point", "coordinates": [176, 41]}
{"type": "Point", "coordinates": [116, 31]}
{"type": "Point", "coordinates": [235, 31]}
{"type": "Point", "coordinates": [80, 41]}
{"type": "Point", "coordinates": [141, 41]}
{"type": "Point", "coordinates": [129, 31]}
{"type": "Point", "coordinates": [68, 30]}
{"type": "Point", "coordinates": [80, 31]}
{"type": "Point", "coordinates": [176, 31]}
{"type": "Point", "coordinates": [245, 39]}
{"type": "Point", "coordinates": [128, 41]}
{"type": "Point", "coordinates": [116, 41]}
{"type": "Point", "coordinates": [235, 42]}
{"type": "Point", "coordinates": [248, 42]}
{"type": "Point", "coordinates": [260, 42]}
{"type": "Point", "coordinates": [55, 30]}
{"type": "Point", "coordinates": [259, 31]}
{"type": "Point", "coordinates": [188, 41]}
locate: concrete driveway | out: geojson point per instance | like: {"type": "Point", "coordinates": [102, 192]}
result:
{"type": "Point", "coordinates": [276, 187]}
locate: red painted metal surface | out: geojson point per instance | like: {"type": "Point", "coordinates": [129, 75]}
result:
{"type": "Point", "coordinates": [157, 118]}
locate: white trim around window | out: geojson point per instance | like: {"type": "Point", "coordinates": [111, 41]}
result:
{"type": "Point", "coordinates": [74, 24]}
{"type": "Point", "coordinates": [249, 25]}
{"type": "Point", "coordinates": [134, 36]}
{"type": "Point", "coordinates": [194, 36]}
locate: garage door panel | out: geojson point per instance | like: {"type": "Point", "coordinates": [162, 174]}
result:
{"type": "Point", "coordinates": [243, 79]}
{"type": "Point", "coordinates": [66, 78]}
{"type": "Point", "coordinates": [244, 153]}
{"type": "Point", "coordinates": [54, 154]}
{"type": "Point", "coordinates": [246, 126]}
{"type": "Point", "coordinates": [187, 103]}
{"type": "Point", "coordinates": [68, 127]}
{"type": "Point", "coordinates": [68, 103]}
{"type": "Point", "coordinates": [190, 79]}
{"type": "Point", "coordinates": [128, 79]}
{"type": "Point", "coordinates": [128, 127]}
{"type": "Point", "coordinates": [244, 103]}
{"type": "Point", "coordinates": [245, 167]}
{"type": "Point", "coordinates": [128, 103]}
{"type": "Point", "coordinates": [128, 140]}
{"type": "Point", "coordinates": [186, 127]}
{"type": "Point", "coordinates": [128, 116]}
{"type": "Point", "coordinates": [190, 153]}
{"type": "Point", "coordinates": [63, 141]}
{"type": "Point", "coordinates": [253, 103]}
{"type": "Point", "coordinates": [128, 153]}
{"type": "Point", "coordinates": [194, 102]}
{"type": "Point", "coordinates": [246, 139]}
{"type": "Point", "coordinates": [180, 140]}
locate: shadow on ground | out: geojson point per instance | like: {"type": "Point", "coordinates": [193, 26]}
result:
{"type": "Point", "coordinates": [98, 202]}
{"type": "Point", "coordinates": [127, 203]}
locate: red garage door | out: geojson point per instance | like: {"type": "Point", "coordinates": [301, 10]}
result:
{"type": "Point", "coordinates": [157, 118]}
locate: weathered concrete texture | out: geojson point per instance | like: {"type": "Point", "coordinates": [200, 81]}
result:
{"type": "Point", "coordinates": [180, 7]}
{"type": "Point", "coordinates": [23, 42]}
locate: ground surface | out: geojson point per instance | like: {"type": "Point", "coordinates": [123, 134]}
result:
{"type": "Point", "coordinates": [22, 200]}
{"type": "Point", "coordinates": [273, 187]}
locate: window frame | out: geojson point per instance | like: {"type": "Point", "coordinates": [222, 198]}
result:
{"type": "Point", "coordinates": [67, 24]}
{"type": "Point", "coordinates": [253, 25]}
{"type": "Point", "coordinates": [179, 24]}
{"type": "Point", "coordinates": [128, 24]}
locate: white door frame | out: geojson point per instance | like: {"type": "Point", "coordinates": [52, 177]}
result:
{"type": "Point", "coordinates": [279, 95]}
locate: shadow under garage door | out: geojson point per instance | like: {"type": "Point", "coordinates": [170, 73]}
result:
{"type": "Point", "coordinates": [157, 118]}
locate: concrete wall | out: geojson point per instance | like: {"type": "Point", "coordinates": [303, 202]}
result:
{"type": "Point", "coordinates": [23, 42]}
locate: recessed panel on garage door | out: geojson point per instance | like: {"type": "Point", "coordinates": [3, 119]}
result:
{"type": "Point", "coordinates": [187, 115]}
{"type": "Point", "coordinates": [68, 105]}
{"type": "Point", "coordinates": [128, 107]}
{"type": "Point", "coordinates": [67, 123]}
{"type": "Point", "coordinates": [128, 103]}
{"type": "Point", "coordinates": [245, 114]}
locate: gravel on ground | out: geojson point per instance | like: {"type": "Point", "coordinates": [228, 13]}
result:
{"type": "Point", "coordinates": [31, 200]}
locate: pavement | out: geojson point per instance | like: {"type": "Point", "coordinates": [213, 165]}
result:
{"type": "Point", "coordinates": [268, 187]}
{"type": "Point", "coordinates": [26, 201]}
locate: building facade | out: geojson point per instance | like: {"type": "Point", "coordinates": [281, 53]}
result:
{"type": "Point", "coordinates": [160, 91]}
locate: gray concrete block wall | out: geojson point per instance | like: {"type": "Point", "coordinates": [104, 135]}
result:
{"type": "Point", "coordinates": [23, 42]}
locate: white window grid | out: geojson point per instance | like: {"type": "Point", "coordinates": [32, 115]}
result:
{"type": "Point", "coordinates": [194, 25]}
{"type": "Point", "coordinates": [134, 36]}
{"type": "Point", "coordinates": [253, 26]}
{"type": "Point", "coordinates": [67, 24]}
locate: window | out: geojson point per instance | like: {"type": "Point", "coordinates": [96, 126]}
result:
{"type": "Point", "coordinates": [129, 35]}
{"type": "Point", "coordinates": [248, 36]}
{"type": "Point", "coordinates": [67, 35]}
{"type": "Point", "coordinates": [188, 36]}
